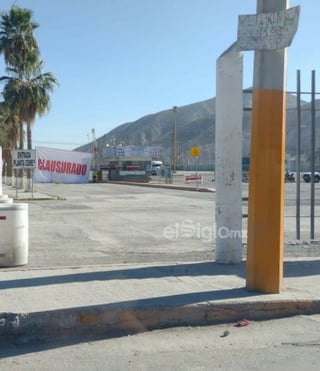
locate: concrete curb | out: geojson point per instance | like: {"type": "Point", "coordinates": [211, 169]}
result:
{"type": "Point", "coordinates": [53, 198]}
{"type": "Point", "coordinates": [165, 186]}
{"type": "Point", "coordinates": [121, 319]}
{"type": "Point", "coordinates": [45, 197]}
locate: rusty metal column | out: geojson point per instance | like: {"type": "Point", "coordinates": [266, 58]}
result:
{"type": "Point", "coordinates": [267, 165]}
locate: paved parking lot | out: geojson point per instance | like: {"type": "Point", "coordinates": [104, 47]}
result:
{"type": "Point", "coordinates": [101, 223]}
{"type": "Point", "coordinates": [109, 223]}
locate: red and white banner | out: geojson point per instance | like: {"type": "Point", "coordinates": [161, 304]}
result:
{"type": "Point", "coordinates": [61, 166]}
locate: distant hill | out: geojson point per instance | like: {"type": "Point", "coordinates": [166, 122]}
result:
{"type": "Point", "coordinates": [195, 125]}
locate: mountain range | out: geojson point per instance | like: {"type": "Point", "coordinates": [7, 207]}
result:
{"type": "Point", "coordinates": [195, 126]}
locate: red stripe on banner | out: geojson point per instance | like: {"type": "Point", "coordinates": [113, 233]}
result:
{"type": "Point", "coordinates": [3, 217]}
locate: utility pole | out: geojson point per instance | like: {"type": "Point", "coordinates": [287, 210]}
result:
{"type": "Point", "coordinates": [94, 147]}
{"type": "Point", "coordinates": [174, 139]}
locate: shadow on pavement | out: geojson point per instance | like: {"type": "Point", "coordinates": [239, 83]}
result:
{"type": "Point", "coordinates": [291, 269]}
{"type": "Point", "coordinates": [35, 339]}
{"type": "Point", "coordinates": [192, 269]}
{"type": "Point", "coordinates": [302, 268]}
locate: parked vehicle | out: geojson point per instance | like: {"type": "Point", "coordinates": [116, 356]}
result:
{"type": "Point", "coordinates": [156, 167]}
{"type": "Point", "coordinates": [307, 177]}
{"type": "Point", "coordinates": [289, 177]}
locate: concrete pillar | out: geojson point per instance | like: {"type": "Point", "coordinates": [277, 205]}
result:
{"type": "Point", "coordinates": [228, 157]}
{"type": "Point", "coordinates": [267, 165]}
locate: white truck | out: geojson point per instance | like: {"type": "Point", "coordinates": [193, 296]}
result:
{"type": "Point", "coordinates": [156, 167]}
{"type": "Point", "coordinates": [307, 177]}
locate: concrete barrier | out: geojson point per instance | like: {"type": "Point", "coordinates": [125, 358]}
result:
{"type": "Point", "coordinates": [4, 199]}
{"type": "Point", "coordinates": [14, 232]}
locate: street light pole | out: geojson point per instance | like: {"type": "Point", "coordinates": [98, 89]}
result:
{"type": "Point", "coordinates": [94, 162]}
{"type": "Point", "coordinates": [174, 139]}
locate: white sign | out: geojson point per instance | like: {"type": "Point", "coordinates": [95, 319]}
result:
{"type": "Point", "coordinates": [138, 151]}
{"type": "Point", "coordinates": [60, 166]}
{"type": "Point", "coordinates": [24, 159]}
{"type": "Point", "coordinates": [268, 31]}
{"type": "Point", "coordinates": [134, 172]}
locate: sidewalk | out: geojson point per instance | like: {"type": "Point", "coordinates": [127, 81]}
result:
{"type": "Point", "coordinates": [32, 195]}
{"type": "Point", "coordinates": [21, 195]}
{"type": "Point", "coordinates": [97, 301]}
{"type": "Point", "coordinates": [177, 186]}
{"type": "Point", "coordinates": [104, 301]}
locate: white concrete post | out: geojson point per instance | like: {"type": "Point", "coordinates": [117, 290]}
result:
{"type": "Point", "coordinates": [228, 157]}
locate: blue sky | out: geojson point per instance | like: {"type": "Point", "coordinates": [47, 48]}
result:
{"type": "Point", "coordinates": [118, 60]}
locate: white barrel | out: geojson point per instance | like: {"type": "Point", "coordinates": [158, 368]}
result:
{"type": "Point", "coordinates": [14, 232]}
{"type": "Point", "coordinates": [5, 199]}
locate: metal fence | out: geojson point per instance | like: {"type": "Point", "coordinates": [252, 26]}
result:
{"type": "Point", "coordinates": [312, 93]}
{"type": "Point", "coordinates": [310, 109]}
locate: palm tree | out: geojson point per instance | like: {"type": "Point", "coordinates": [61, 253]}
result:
{"type": "Point", "coordinates": [29, 95]}
{"type": "Point", "coordinates": [9, 136]}
{"type": "Point", "coordinates": [10, 108]}
{"type": "Point", "coordinates": [16, 37]}
{"type": "Point", "coordinates": [18, 45]}
{"type": "Point", "coordinates": [26, 89]}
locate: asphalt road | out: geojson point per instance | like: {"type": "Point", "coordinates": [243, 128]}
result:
{"type": "Point", "coordinates": [101, 223]}
{"type": "Point", "coordinates": [290, 344]}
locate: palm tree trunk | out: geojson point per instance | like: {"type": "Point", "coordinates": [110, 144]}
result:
{"type": "Point", "coordinates": [20, 172]}
{"type": "Point", "coordinates": [9, 174]}
{"type": "Point", "coordinates": [29, 135]}
{"type": "Point", "coordinates": [8, 169]}
{"type": "Point", "coordinates": [21, 137]}
{"type": "Point", "coordinates": [29, 144]}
